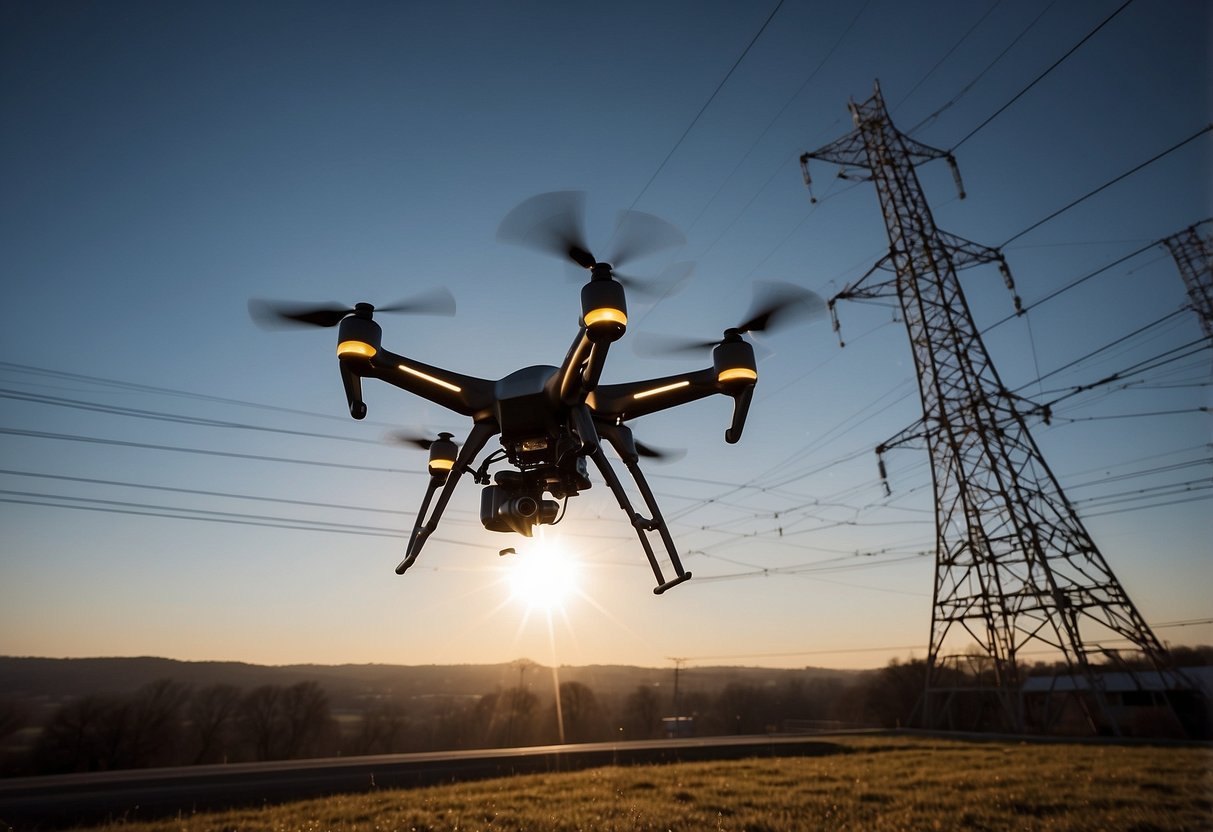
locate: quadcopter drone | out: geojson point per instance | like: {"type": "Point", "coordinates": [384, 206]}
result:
{"type": "Point", "coordinates": [551, 420]}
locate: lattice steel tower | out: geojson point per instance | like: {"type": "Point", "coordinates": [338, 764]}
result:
{"type": "Point", "coordinates": [1015, 569]}
{"type": "Point", "coordinates": [1192, 249]}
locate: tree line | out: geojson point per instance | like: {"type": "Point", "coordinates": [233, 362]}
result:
{"type": "Point", "coordinates": [167, 723]}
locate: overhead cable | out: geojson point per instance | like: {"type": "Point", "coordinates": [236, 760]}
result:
{"type": "Point", "coordinates": [1042, 75]}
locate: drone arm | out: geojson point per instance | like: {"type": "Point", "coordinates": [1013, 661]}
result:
{"type": "Point", "coordinates": [582, 368]}
{"type": "Point", "coordinates": [620, 437]}
{"type": "Point", "coordinates": [481, 433]}
{"type": "Point", "coordinates": [465, 395]}
{"type": "Point", "coordinates": [640, 398]}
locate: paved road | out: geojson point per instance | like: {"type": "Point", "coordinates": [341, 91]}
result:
{"type": "Point", "coordinates": [31, 803]}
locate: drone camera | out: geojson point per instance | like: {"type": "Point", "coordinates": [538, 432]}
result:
{"type": "Point", "coordinates": [603, 310]}
{"type": "Point", "coordinates": [510, 506]}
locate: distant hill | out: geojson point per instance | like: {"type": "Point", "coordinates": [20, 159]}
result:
{"type": "Point", "coordinates": [54, 679]}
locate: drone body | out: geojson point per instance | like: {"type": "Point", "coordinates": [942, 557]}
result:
{"type": "Point", "coordinates": [550, 420]}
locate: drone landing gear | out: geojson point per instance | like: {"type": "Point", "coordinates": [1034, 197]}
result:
{"type": "Point", "coordinates": [481, 433]}
{"type": "Point", "coordinates": [620, 437]}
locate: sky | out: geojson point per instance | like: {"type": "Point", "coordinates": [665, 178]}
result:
{"type": "Point", "coordinates": [179, 482]}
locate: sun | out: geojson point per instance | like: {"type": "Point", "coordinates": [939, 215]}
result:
{"type": "Point", "coordinates": [542, 575]}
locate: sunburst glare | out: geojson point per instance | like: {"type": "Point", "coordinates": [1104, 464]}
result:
{"type": "Point", "coordinates": [543, 576]}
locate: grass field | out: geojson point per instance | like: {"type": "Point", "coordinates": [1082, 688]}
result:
{"type": "Point", "coordinates": [867, 783]}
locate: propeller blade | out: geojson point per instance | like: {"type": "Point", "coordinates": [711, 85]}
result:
{"type": "Point", "coordinates": [653, 344]}
{"type": "Point", "coordinates": [639, 234]}
{"type": "Point", "coordinates": [672, 280]}
{"type": "Point", "coordinates": [659, 454]}
{"type": "Point", "coordinates": [778, 305]}
{"type": "Point", "coordinates": [273, 314]}
{"type": "Point", "coordinates": [552, 223]}
{"type": "Point", "coordinates": [438, 301]}
{"type": "Point", "coordinates": [403, 437]}
{"type": "Point", "coordinates": [415, 439]}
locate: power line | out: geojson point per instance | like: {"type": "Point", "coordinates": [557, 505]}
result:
{"type": "Point", "coordinates": [965, 89]}
{"type": "Point", "coordinates": [166, 391]}
{"type": "Point", "coordinates": [1107, 346]}
{"type": "Point", "coordinates": [1042, 75]}
{"type": "Point", "coordinates": [161, 416]}
{"type": "Point", "coordinates": [122, 443]}
{"type": "Point", "coordinates": [707, 103]}
{"type": "Point", "coordinates": [1143, 366]}
{"type": "Point", "coordinates": [776, 118]}
{"type": "Point", "coordinates": [1150, 414]}
{"type": "Point", "coordinates": [185, 513]}
{"type": "Point", "coordinates": [1071, 285]}
{"type": "Point", "coordinates": [948, 54]}
{"type": "Point", "coordinates": [1112, 182]}
{"type": "Point", "coordinates": [206, 493]}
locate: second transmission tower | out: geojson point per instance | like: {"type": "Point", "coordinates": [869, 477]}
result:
{"type": "Point", "coordinates": [1192, 249]}
{"type": "Point", "coordinates": [1015, 569]}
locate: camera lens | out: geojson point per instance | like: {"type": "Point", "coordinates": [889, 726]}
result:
{"type": "Point", "coordinates": [523, 507]}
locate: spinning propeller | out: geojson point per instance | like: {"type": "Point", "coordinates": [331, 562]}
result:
{"type": "Point", "coordinates": [659, 454]}
{"type": "Point", "coordinates": [776, 305]}
{"type": "Point", "coordinates": [274, 314]}
{"type": "Point", "coordinates": [417, 440]}
{"type": "Point", "coordinates": [443, 450]}
{"type": "Point", "coordinates": [554, 224]}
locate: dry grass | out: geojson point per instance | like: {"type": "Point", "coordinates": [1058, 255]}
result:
{"type": "Point", "coordinates": [874, 784]}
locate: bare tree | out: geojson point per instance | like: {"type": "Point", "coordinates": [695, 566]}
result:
{"type": "Point", "coordinates": [584, 720]}
{"type": "Point", "coordinates": [891, 696]}
{"type": "Point", "coordinates": [260, 721]}
{"type": "Point", "coordinates": [154, 717]}
{"type": "Point", "coordinates": [284, 723]}
{"type": "Point", "coordinates": [381, 731]}
{"type": "Point", "coordinates": [307, 719]}
{"type": "Point", "coordinates": [642, 713]}
{"type": "Point", "coordinates": [211, 717]}
{"type": "Point", "coordinates": [82, 735]}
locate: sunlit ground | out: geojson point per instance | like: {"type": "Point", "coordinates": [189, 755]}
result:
{"type": "Point", "coordinates": [880, 784]}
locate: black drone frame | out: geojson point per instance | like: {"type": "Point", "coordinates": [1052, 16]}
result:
{"type": "Point", "coordinates": [550, 420]}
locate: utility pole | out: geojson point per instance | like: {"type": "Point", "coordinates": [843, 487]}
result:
{"type": "Point", "coordinates": [1192, 249]}
{"type": "Point", "coordinates": [678, 663]}
{"type": "Point", "coordinates": [1015, 568]}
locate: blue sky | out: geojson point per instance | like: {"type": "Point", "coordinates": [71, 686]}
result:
{"type": "Point", "coordinates": [163, 163]}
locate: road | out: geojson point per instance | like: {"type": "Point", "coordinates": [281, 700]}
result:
{"type": "Point", "coordinates": [29, 803]}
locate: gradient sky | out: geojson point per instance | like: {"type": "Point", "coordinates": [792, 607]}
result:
{"type": "Point", "coordinates": [164, 162]}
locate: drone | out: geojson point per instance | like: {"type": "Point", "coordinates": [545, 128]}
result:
{"type": "Point", "coordinates": [552, 421]}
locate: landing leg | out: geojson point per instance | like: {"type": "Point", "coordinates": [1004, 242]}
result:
{"type": "Point", "coordinates": [481, 433]}
{"type": "Point", "coordinates": [620, 438]}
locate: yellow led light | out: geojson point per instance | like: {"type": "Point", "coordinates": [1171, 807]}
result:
{"type": "Point", "coordinates": [347, 349]}
{"type": "Point", "coordinates": [605, 314]}
{"type": "Point", "coordinates": [431, 379]}
{"type": "Point", "coordinates": [737, 374]}
{"type": "Point", "coordinates": [678, 385]}
{"type": "Point", "coordinates": [441, 464]}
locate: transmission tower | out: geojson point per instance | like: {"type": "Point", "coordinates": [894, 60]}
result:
{"type": "Point", "coordinates": [1192, 249]}
{"type": "Point", "coordinates": [1015, 569]}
